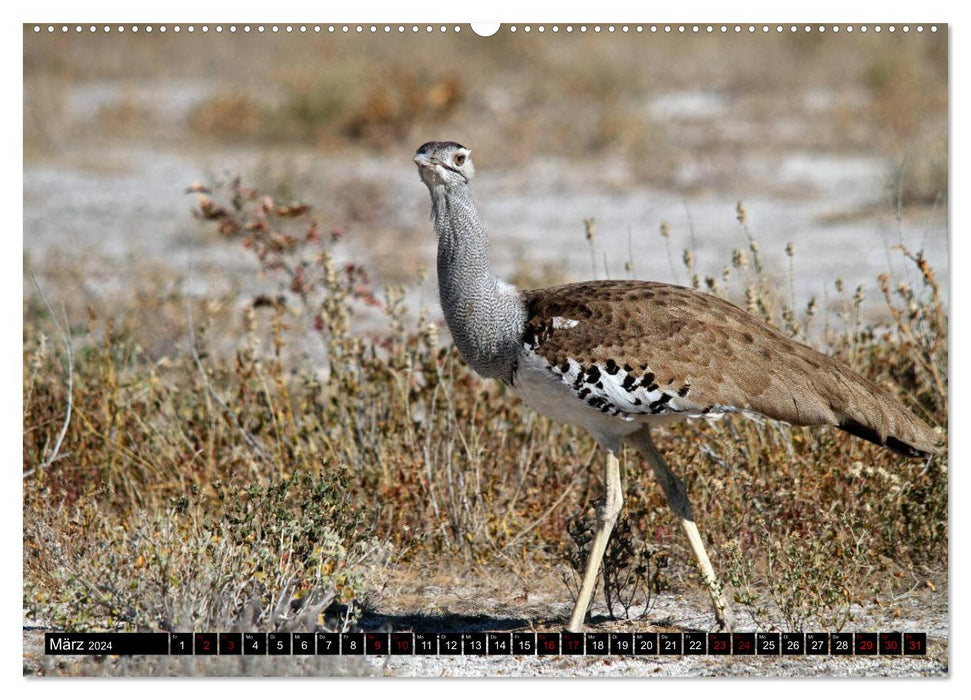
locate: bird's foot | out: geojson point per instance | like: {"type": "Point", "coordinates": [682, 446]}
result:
{"type": "Point", "coordinates": [724, 619]}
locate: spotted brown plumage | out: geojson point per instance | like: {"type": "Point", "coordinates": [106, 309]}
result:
{"type": "Point", "coordinates": [696, 354]}
{"type": "Point", "coordinates": [618, 357]}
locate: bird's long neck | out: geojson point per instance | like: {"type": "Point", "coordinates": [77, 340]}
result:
{"type": "Point", "coordinates": [485, 315]}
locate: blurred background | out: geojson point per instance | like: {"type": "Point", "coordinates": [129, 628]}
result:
{"type": "Point", "coordinates": [836, 144]}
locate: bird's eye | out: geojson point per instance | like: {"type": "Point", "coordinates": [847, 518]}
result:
{"type": "Point", "coordinates": [460, 159]}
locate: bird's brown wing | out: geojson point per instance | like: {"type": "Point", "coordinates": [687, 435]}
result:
{"type": "Point", "coordinates": [706, 353]}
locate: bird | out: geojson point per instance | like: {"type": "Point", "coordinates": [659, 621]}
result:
{"type": "Point", "coordinates": [621, 357]}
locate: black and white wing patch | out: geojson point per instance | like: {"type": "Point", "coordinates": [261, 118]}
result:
{"type": "Point", "coordinates": [610, 386]}
{"type": "Point", "coordinates": [624, 392]}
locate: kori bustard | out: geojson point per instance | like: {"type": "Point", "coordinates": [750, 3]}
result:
{"type": "Point", "coordinates": [619, 357]}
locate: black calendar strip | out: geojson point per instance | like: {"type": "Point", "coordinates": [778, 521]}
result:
{"type": "Point", "coordinates": [489, 643]}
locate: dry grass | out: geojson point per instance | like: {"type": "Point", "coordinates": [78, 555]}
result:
{"type": "Point", "coordinates": [209, 490]}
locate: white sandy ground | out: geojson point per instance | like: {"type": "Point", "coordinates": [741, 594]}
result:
{"type": "Point", "coordinates": [474, 605]}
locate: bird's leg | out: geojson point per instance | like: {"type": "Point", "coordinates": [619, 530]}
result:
{"type": "Point", "coordinates": [607, 513]}
{"type": "Point", "coordinates": [678, 500]}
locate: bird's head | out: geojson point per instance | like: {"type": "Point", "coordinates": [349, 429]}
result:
{"type": "Point", "coordinates": [444, 164]}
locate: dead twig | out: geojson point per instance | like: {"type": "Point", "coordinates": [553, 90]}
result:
{"type": "Point", "coordinates": [69, 354]}
{"type": "Point", "coordinates": [250, 441]}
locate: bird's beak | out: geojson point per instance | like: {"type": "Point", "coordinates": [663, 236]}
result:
{"type": "Point", "coordinates": [423, 160]}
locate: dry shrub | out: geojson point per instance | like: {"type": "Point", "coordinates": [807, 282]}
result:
{"type": "Point", "coordinates": [281, 469]}
{"type": "Point", "coordinates": [390, 111]}
{"type": "Point", "coordinates": [229, 116]}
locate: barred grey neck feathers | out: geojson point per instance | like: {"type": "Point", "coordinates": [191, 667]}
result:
{"type": "Point", "coordinates": [484, 314]}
